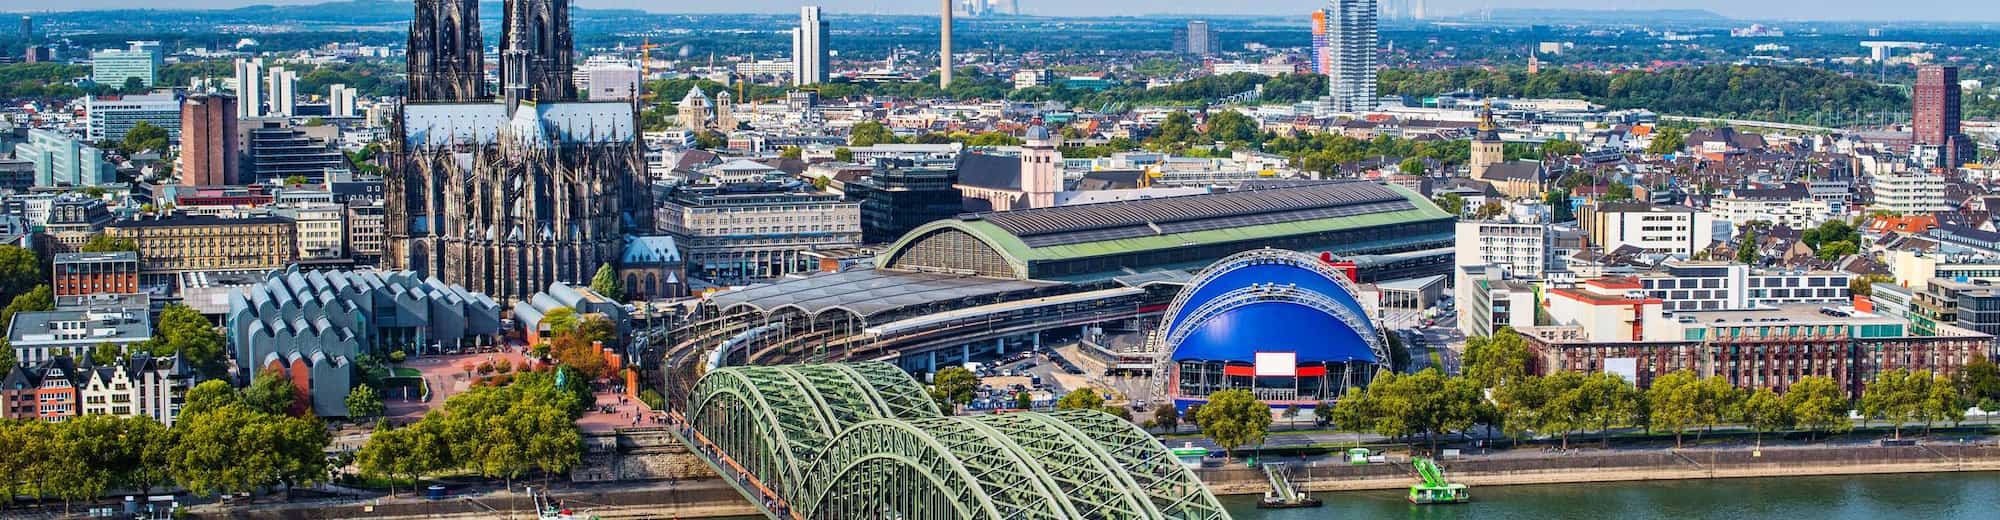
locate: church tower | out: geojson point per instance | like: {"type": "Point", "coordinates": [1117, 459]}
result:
{"type": "Point", "coordinates": [1041, 172]}
{"type": "Point", "coordinates": [1487, 149]}
{"type": "Point", "coordinates": [537, 54]}
{"type": "Point", "coordinates": [446, 56]}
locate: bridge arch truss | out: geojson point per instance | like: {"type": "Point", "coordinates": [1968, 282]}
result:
{"type": "Point", "coordinates": [864, 441]}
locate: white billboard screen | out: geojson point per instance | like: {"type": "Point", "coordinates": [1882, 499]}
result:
{"type": "Point", "coordinates": [1284, 364]}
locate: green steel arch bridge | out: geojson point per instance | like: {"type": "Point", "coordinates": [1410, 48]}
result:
{"type": "Point", "coordinates": [864, 441]}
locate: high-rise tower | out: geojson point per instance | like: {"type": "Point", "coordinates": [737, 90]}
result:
{"type": "Point", "coordinates": [537, 54]}
{"type": "Point", "coordinates": [809, 47]}
{"type": "Point", "coordinates": [1351, 41]}
{"type": "Point", "coordinates": [1935, 114]}
{"type": "Point", "coordinates": [447, 59]}
{"type": "Point", "coordinates": [944, 49]}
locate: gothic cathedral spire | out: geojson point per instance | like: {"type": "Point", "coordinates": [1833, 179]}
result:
{"type": "Point", "coordinates": [446, 55]}
{"type": "Point", "coordinates": [537, 53]}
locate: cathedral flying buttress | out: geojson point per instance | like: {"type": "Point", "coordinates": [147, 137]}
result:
{"type": "Point", "coordinates": [505, 196]}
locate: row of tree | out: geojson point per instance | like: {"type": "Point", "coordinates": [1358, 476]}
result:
{"type": "Point", "coordinates": [224, 441]}
{"type": "Point", "coordinates": [507, 432]}
{"type": "Point", "coordinates": [1427, 404]}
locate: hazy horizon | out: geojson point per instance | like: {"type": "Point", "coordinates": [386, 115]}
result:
{"type": "Point", "coordinates": [1825, 10]}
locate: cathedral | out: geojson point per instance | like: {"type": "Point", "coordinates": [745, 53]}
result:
{"type": "Point", "coordinates": [506, 194]}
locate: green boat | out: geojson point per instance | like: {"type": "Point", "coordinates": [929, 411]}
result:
{"type": "Point", "coordinates": [1434, 489]}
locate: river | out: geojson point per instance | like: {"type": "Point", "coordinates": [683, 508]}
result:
{"type": "Point", "coordinates": [1871, 497]}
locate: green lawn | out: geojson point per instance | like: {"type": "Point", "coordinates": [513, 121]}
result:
{"type": "Point", "coordinates": [406, 372]}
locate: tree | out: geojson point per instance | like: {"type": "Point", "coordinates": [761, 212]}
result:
{"type": "Point", "coordinates": [572, 349]}
{"type": "Point", "coordinates": [1834, 251]}
{"type": "Point", "coordinates": [1746, 247]}
{"type": "Point", "coordinates": [1618, 191]}
{"type": "Point", "coordinates": [870, 133]}
{"type": "Point", "coordinates": [1817, 403]}
{"type": "Point", "coordinates": [792, 152]}
{"type": "Point", "coordinates": [1233, 418]}
{"type": "Point", "coordinates": [20, 271]}
{"type": "Point", "coordinates": [7, 359]}
{"type": "Point", "coordinates": [1674, 400]}
{"type": "Point", "coordinates": [1412, 166]}
{"type": "Point", "coordinates": [1978, 380]}
{"type": "Point", "coordinates": [236, 448]}
{"type": "Point", "coordinates": [1942, 402]}
{"type": "Point", "coordinates": [953, 387]}
{"type": "Point", "coordinates": [1451, 203]}
{"type": "Point", "coordinates": [1558, 201]}
{"type": "Point", "coordinates": [1560, 148]}
{"type": "Point", "coordinates": [1667, 140]}
{"type": "Point", "coordinates": [1494, 360]}
{"type": "Point", "coordinates": [40, 299]}
{"type": "Point", "coordinates": [1291, 415]}
{"type": "Point", "coordinates": [1177, 129]}
{"type": "Point", "coordinates": [143, 136]}
{"type": "Point", "coordinates": [1763, 411]}
{"type": "Point", "coordinates": [605, 282]}
{"type": "Point", "coordinates": [209, 395]}
{"type": "Point", "coordinates": [1896, 395]}
{"type": "Point", "coordinates": [843, 154]}
{"type": "Point", "coordinates": [1489, 210]}
{"type": "Point", "coordinates": [1081, 399]}
{"type": "Point", "coordinates": [103, 243]}
{"type": "Point", "coordinates": [184, 332]}
{"type": "Point", "coordinates": [106, 354]}
{"type": "Point", "coordinates": [363, 402]}
{"type": "Point", "coordinates": [1167, 417]}
{"type": "Point", "coordinates": [273, 394]}
{"type": "Point", "coordinates": [560, 320]}
{"type": "Point", "coordinates": [1024, 400]}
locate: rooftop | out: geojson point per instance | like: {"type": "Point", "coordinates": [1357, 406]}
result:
{"type": "Point", "coordinates": [867, 292]}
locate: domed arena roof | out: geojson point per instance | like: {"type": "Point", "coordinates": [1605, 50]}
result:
{"type": "Point", "coordinates": [1270, 300]}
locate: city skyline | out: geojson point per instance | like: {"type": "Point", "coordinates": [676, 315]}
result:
{"type": "Point", "coordinates": [1836, 10]}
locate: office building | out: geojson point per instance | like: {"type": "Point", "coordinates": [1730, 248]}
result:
{"type": "Point", "coordinates": [809, 51]}
{"type": "Point", "coordinates": [610, 82]}
{"type": "Point", "coordinates": [250, 88]}
{"type": "Point", "coordinates": [1662, 229]}
{"type": "Point", "coordinates": [1714, 285]}
{"type": "Point", "coordinates": [733, 233]}
{"type": "Point", "coordinates": [111, 117]}
{"type": "Point", "coordinates": [1935, 111]}
{"type": "Point", "coordinates": [1968, 304]}
{"type": "Point", "coordinates": [85, 274]}
{"type": "Point", "coordinates": [27, 31]}
{"type": "Point", "coordinates": [64, 161]}
{"type": "Point", "coordinates": [321, 229]}
{"type": "Point", "coordinates": [1351, 41]}
{"type": "Point", "coordinates": [283, 96]}
{"type": "Point", "coordinates": [900, 195]}
{"type": "Point", "coordinates": [209, 143]}
{"type": "Point", "coordinates": [1521, 248]}
{"type": "Point", "coordinates": [351, 313]}
{"type": "Point", "coordinates": [276, 149]}
{"type": "Point", "coordinates": [340, 100]}
{"type": "Point", "coordinates": [171, 244]}
{"type": "Point", "coordinates": [1322, 47]}
{"type": "Point", "coordinates": [39, 336]}
{"type": "Point", "coordinates": [364, 230]}
{"type": "Point", "coordinates": [17, 174]}
{"type": "Point", "coordinates": [1200, 42]}
{"type": "Point", "coordinates": [72, 219]}
{"type": "Point", "coordinates": [1791, 206]}
{"type": "Point", "coordinates": [1488, 300]}
{"type": "Point", "coordinates": [1910, 192]}
{"type": "Point", "coordinates": [1756, 348]}
{"type": "Point", "coordinates": [117, 67]}
{"type": "Point", "coordinates": [38, 54]}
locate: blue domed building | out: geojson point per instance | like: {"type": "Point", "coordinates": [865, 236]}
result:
{"type": "Point", "coordinates": [1283, 324]}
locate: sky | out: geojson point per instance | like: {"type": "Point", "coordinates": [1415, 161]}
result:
{"type": "Point", "coordinates": [1941, 10]}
